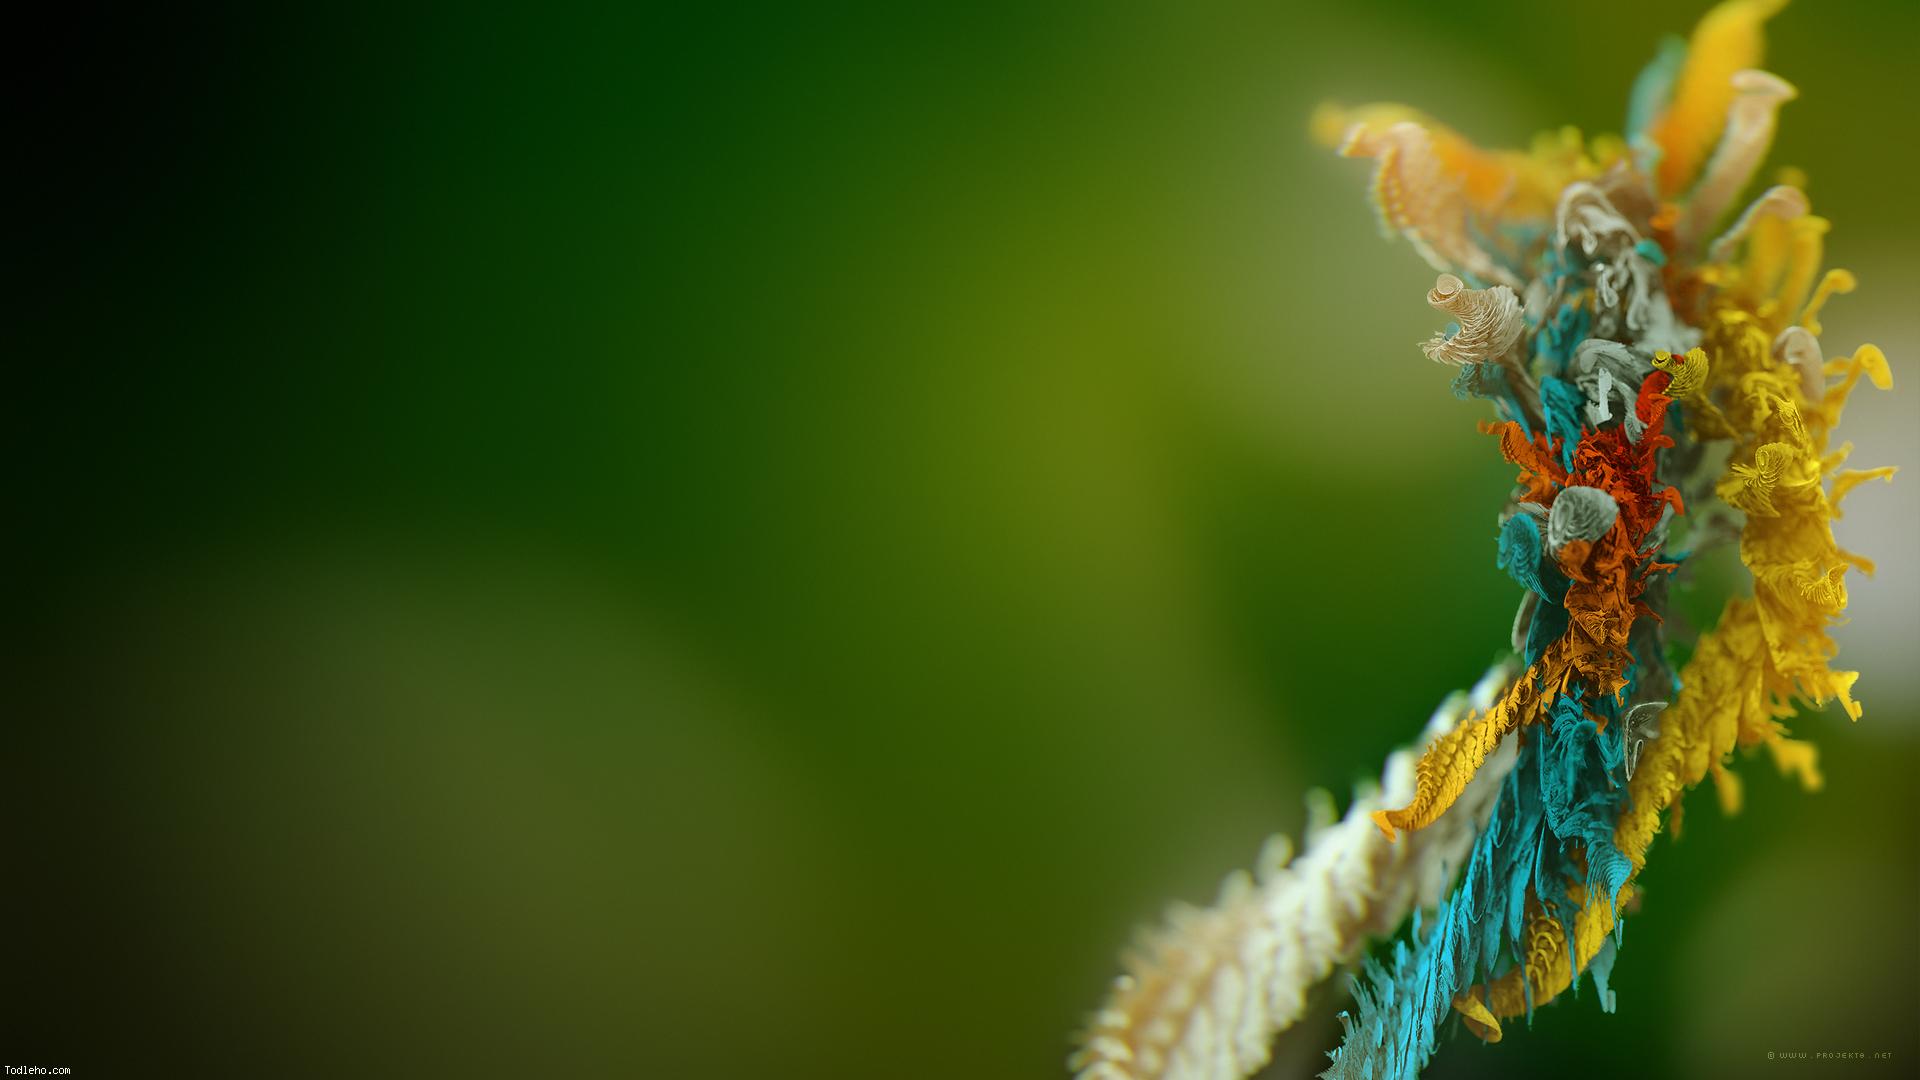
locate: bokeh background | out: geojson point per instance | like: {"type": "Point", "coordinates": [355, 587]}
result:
{"type": "Point", "coordinates": [753, 543]}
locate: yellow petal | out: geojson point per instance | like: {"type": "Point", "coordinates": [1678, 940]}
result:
{"type": "Point", "coordinates": [1727, 40]}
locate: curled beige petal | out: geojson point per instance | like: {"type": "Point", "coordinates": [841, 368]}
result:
{"type": "Point", "coordinates": [1749, 132]}
{"type": "Point", "coordinates": [1490, 322]}
{"type": "Point", "coordinates": [1800, 350]}
{"type": "Point", "coordinates": [1208, 992]}
{"type": "Point", "coordinates": [1780, 201]}
{"type": "Point", "coordinates": [1416, 196]}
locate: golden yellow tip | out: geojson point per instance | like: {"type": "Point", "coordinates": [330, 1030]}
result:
{"type": "Point", "coordinates": [1477, 1017]}
{"type": "Point", "coordinates": [1380, 819]}
{"type": "Point", "coordinates": [1328, 126]}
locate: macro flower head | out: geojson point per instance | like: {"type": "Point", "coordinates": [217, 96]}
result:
{"type": "Point", "coordinates": [1650, 348]}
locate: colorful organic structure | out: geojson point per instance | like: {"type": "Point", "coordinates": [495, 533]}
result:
{"type": "Point", "coordinates": [1657, 375]}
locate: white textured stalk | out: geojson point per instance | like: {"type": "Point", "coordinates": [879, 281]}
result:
{"type": "Point", "coordinates": [1206, 993]}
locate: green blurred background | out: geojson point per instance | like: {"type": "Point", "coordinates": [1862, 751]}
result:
{"type": "Point", "coordinates": [751, 543]}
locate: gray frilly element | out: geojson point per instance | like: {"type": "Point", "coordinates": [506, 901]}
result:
{"type": "Point", "coordinates": [1626, 189]}
{"type": "Point", "coordinates": [1580, 513]}
{"type": "Point", "coordinates": [1490, 321]}
{"type": "Point", "coordinates": [1206, 993]}
{"type": "Point", "coordinates": [1531, 509]}
{"type": "Point", "coordinates": [1797, 346]}
{"type": "Point", "coordinates": [1605, 370]}
{"type": "Point", "coordinates": [1643, 726]}
{"type": "Point", "coordinates": [1629, 300]}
